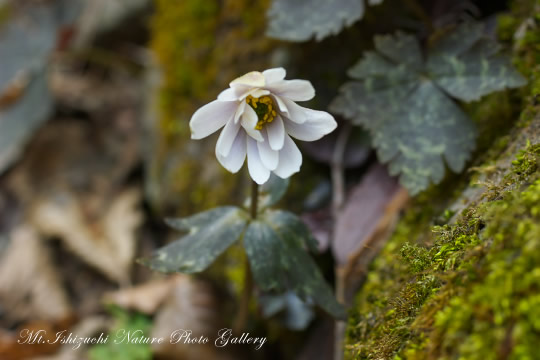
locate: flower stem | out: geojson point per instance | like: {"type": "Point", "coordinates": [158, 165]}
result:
{"type": "Point", "coordinates": [254, 199]}
{"type": "Point", "coordinates": [243, 313]}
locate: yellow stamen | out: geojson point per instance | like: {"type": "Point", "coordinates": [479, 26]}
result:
{"type": "Point", "coordinates": [264, 108]}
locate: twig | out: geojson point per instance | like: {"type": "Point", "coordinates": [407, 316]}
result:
{"type": "Point", "coordinates": [243, 312]}
{"type": "Point", "coordinates": [338, 200]}
{"type": "Point", "coordinates": [338, 176]}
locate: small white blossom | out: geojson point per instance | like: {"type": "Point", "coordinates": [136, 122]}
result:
{"type": "Point", "coordinates": [259, 116]}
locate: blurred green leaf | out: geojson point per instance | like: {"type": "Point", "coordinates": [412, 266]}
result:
{"type": "Point", "coordinates": [134, 323]}
{"type": "Point", "coordinates": [404, 101]}
{"type": "Point", "coordinates": [271, 192]}
{"type": "Point", "coordinates": [19, 121]}
{"type": "Point", "coordinates": [299, 20]}
{"type": "Point", "coordinates": [294, 313]}
{"type": "Point", "coordinates": [280, 262]}
{"type": "Point", "coordinates": [27, 37]}
{"type": "Point", "coordinates": [210, 234]}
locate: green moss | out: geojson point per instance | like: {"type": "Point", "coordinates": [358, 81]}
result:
{"type": "Point", "coordinates": [196, 43]}
{"type": "Point", "coordinates": [521, 30]}
{"type": "Point", "coordinates": [494, 116]}
{"type": "Point", "coordinates": [527, 161]}
{"type": "Point", "coordinates": [379, 322]}
{"type": "Point", "coordinates": [456, 291]}
{"type": "Point", "coordinates": [495, 316]}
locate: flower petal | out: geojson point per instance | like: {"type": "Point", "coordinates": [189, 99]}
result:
{"type": "Point", "coordinates": [249, 121]}
{"type": "Point", "coordinates": [268, 156]}
{"type": "Point", "coordinates": [239, 111]}
{"type": "Point", "coordinates": [295, 90]}
{"type": "Point", "coordinates": [274, 75]}
{"type": "Point", "coordinates": [256, 93]}
{"type": "Point", "coordinates": [237, 155]}
{"type": "Point", "coordinates": [276, 133]}
{"type": "Point", "coordinates": [226, 138]}
{"type": "Point", "coordinates": [295, 112]}
{"type": "Point", "coordinates": [229, 94]}
{"type": "Point", "coordinates": [252, 79]}
{"type": "Point", "coordinates": [257, 171]}
{"type": "Point", "coordinates": [211, 117]}
{"type": "Point", "coordinates": [290, 159]}
{"type": "Point", "coordinates": [317, 124]}
{"type": "Point", "coordinates": [281, 105]}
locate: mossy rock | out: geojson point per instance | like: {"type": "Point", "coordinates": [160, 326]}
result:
{"type": "Point", "coordinates": [467, 289]}
{"type": "Point", "coordinates": [460, 276]}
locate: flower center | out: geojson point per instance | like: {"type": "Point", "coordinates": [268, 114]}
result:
{"type": "Point", "coordinates": [264, 108]}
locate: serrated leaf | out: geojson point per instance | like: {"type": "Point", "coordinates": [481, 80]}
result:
{"type": "Point", "coordinates": [279, 263]}
{"type": "Point", "coordinates": [299, 20]}
{"type": "Point", "coordinates": [210, 234]}
{"type": "Point", "coordinates": [403, 100]}
{"type": "Point", "coordinates": [472, 69]}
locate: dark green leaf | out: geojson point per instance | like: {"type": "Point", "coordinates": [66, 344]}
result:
{"type": "Point", "coordinates": [291, 225]}
{"type": "Point", "coordinates": [210, 234]}
{"type": "Point", "coordinates": [279, 262]}
{"type": "Point", "coordinates": [470, 70]}
{"type": "Point", "coordinates": [402, 100]}
{"type": "Point", "coordinates": [195, 222]}
{"type": "Point", "coordinates": [262, 244]}
{"type": "Point", "coordinates": [401, 49]}
{"type": "Point", "coordinates": [299, 20]}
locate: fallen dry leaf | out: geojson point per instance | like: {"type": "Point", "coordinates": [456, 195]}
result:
{"type": "Point", "coordinates": [145, 298]}
{"type": "Point", "coordinates": [320, 224]}
{"type": "Point", "coordinates": [107, 243]}
{"type": "Point", "coordinates": [191, 305]}
{"type": "Point", "coordinates": [362, 228]}
{"type": "Point", "coordinates": [30, 286]}
{"type": "Point", "coordinates": [11, 349]}
{"type": "Point", "coordinates": [365, 205]}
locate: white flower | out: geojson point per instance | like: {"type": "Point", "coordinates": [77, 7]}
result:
{"type": "Point", "coordinates": [259, 116]}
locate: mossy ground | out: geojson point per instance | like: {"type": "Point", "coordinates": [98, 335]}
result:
{"type": "Point", "coordinates": [466, 285]}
